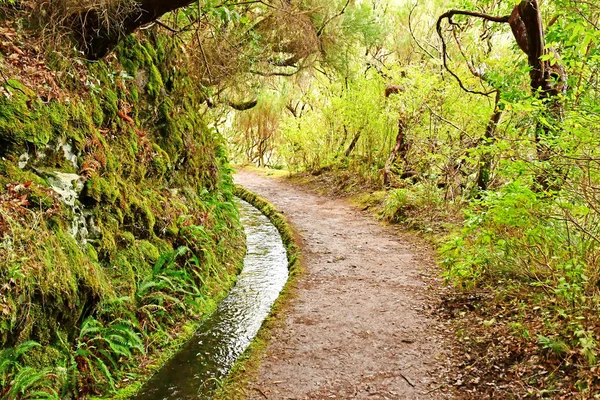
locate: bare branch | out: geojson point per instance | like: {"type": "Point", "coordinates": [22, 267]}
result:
{"type": "Point", "coordinates": [339, 14]}
{"type": "Point", "coordinates": [413, 35]}
{"type": "Point", "coordinates": [448, 15]}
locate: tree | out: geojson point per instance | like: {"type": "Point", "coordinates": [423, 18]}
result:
{"type": "Point", "coordinates": [547, 75]}
{"type": "Point", "coordinates": [97, 38]}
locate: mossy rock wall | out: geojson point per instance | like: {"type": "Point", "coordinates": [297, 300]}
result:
{"type": "Point", "coordinates": [156, 203]}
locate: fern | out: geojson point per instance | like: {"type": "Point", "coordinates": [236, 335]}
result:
{"type": "Point", "coordinates": [29, 381]}
{"type": "Point", "coordinates": [9, 360]}
{"type": "Point", "coordinates": [99, 345]}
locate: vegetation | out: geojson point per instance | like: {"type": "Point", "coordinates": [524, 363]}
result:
{"type": "Point", "coordinates": [117, 219]}
{"type": "Point", "coordinates": [117, 225]}
{"type": "Point", "coordinates": [116, 216]}
{"type": "Point", "coordinates": [436, 108]}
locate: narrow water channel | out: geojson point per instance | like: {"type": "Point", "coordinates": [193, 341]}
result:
{"type": "Point", "coordinates": [207, 358]}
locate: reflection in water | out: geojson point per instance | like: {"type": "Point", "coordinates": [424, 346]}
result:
{"type": "Point", "coordinates": [193, 373]}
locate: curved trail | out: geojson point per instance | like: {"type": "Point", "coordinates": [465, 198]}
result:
{"type": "Point", "coordinates": [358, 328]}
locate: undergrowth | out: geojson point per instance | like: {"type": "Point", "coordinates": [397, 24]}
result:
{"type": "Point", "coordinates": [96, 288]}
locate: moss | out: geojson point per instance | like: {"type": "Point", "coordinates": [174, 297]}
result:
{"type": "Point", "coordinates": [140, 219]}
{"type": "Point", "coordinates": [110, 105]}
{"type": "Point", "coordinates": [23, 119]}
{"type": "Point", "coordinates": [155, 82]}
{"type": "Point", "coordinates": [134, 95]}
{"type": "Point", "coordinates": [130, 55]}
{"type": "Point", "coordinates": [81, 124]}
{"type": "Point", "coordinates": [135, 218]}
{"type": "Point", "coordinates": [106, 245]}
{"type": "Point", "coordinates": [57, 115]}
{"type": "Point", "coordinates": [172, 230]}
{"type": "Point", "coordinates": [42, 357]}
{"type": "Point", "coordinates": [172, 138]}
{"type": "Point", "coordinates": [126, 239]}
{"type": "Point", "coordinates": [40, 199]}
{"type": "Point", "coordinates": [97, 111]}
{"type": "Point", "coordinates": [123, 276]}
{"type": "Point", "coordinates": [91, 253]}
{"type": "Point", "coordinates": [151, 52]}
{"type": "Point", "coordinates": [10, 172]}
{"type": "Point", "coordinates": [99, 190]}
{"type": "Point", "coordinates": [149, 251]}
{"type": "Point", "coordinates": [16, 85]}
{"type": "Point", "coordinates": [161, 161]}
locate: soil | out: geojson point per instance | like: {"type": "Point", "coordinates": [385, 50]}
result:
{"type": "Point", "coordinates": [361, 325]}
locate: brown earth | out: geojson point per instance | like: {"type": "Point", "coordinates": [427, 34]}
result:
{"type": "Point", "coordinates": [360, 327]}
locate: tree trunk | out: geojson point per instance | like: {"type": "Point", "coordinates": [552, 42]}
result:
{"type": "Point", "coordinates": [343, 141]}
{"type": "Point", "coordinates": [400, 149]}
{"type": "Point", "coordinates": [485, 163]}
{"type": "Point", "coordinates": [352, 144]}
{"type": "Point", "coordinates": [97, 37]}
{"type": "Point", "coordinates": [547, 80]}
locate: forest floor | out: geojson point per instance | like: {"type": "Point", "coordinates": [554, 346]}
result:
{"type": "Point", "coordinates": [363, 323]}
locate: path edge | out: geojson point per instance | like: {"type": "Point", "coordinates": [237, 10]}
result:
{"type": "Point", "coordinates": [239, 383]}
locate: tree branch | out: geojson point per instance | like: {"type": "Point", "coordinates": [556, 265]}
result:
{"type": "Point", "coordinates": [339, 14]}
{"type": "Point", "coordinates": [244, 105]}
{"type": "Point", "coordinates": [448, 15]}
{"type": "Point", "coordinates": [413, 35]}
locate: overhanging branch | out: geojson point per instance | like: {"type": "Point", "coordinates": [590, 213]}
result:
{"type": "Point", "coordinates": [244, 105]}
{"type": "Point", "coordinates": [448, 15]}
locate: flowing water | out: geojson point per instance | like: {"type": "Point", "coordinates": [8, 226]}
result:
{"type": "Point", "coordinates": [207, 358]}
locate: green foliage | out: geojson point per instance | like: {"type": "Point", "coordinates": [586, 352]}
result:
{"type": "Point", "coordinates": [400, 204]}
{"type": "Point", "coordinates": [530, 237]}
{"type": "Point", "coordinates": [99, 348]}
{"type": "Point", "coordinates": [154, 176]}
{"type": "Point", "coordinates": [23, 382]}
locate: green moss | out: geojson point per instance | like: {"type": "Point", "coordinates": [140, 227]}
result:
{"type": "Point", "coordinates": [97, 112]}
{"type": "Point", "coordinates": [133, 92]}
{"type": "Point", "coordinates": [161, 161]}
{"type": "Point", "coordinates": [39, 198]}
{"type": "Point", "coordinates": [155, 82]}
{"type": "Point", "coordinates": [141, 218]}
{"type": "Point", "coordinates": [107, 244]}
{"type": "Point", "coordinates": [123, 276]}
{"type": "Point", "coordinates": [110, 105]}
{"type": "Point", "coordinates": [25, 119]}
{"type": "Point", "coordinates": [42, 357]}
{"type": "Point", "coordinates": [100, 190]}
{"type": "Point", "coordinates": [11, 173]}
{"type": "Point", "coordinates": [91, 253]}
{"type": "Point", "coordinates": [16, 85]}
{"type": "Point", "coordinates": [57, 114]}
{"type": "Point", "coordinates": [148, 251]}
{"type": "Point", "coordinates": [172, 133]}
{"type": "Point", "coordinates": [126, 238]}
{"type": "Point", "coordinates": [172, 230]}
{"type": "Point", "coordinates": [130, 55]}
{"type": "Point", "coordinates": [58, 281]}
{"type": "Point", "coordinates": [151, 52]}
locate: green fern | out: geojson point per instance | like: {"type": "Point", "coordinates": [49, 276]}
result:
{"type": "Point", "coordinates": [9, 360]}
{"type": "Point", "coordinates": [100, 345]}
{"type": "Point", "coordinates": [30, 383]}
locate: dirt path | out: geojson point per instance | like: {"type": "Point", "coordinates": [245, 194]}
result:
{"type": "Point", "coordinates": [358, 328]}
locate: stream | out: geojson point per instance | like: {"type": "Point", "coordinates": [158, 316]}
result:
{"type": "Point", "coordinates": [207, 358]}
